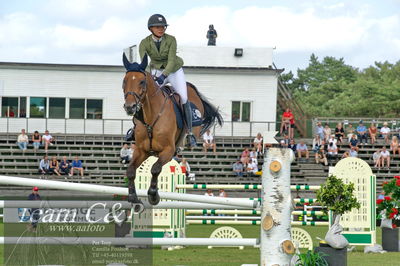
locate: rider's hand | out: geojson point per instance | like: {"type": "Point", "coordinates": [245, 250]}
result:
{"type": "Point", "coordinates": [160, 80]}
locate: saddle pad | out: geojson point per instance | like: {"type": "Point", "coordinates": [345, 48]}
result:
{"type": "Point", "coordinates": [196, 115]}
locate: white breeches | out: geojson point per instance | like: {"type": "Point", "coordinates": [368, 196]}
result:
{"type": "Point", "coordinates": [177, 80]}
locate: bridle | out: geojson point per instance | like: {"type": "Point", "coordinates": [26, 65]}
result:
{"type": "Point", "coordinates": [138, 97]}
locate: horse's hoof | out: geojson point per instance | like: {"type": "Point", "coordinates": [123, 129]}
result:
{"type": "Point", "coordinates": [138, 207]}
{"type": "Point", "coordinates": [152, 196]}
{"type": "Point", "coordinates": [132, 198]}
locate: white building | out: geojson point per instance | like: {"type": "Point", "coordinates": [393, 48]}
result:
{"type": "Point", "coordinates": [89, 99]}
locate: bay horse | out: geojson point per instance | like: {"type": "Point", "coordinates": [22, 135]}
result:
{"type": "Point", "coordinates": [156, 131]}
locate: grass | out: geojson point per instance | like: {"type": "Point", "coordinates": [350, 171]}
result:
{"type": "Point", "coordinates": [202, 256]}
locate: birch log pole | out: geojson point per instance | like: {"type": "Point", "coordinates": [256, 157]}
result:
{"type": "Point", "coordinates": [276, 245]}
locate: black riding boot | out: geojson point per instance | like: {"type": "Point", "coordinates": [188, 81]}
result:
{"type": "Point", "coordinates": [191, 140]}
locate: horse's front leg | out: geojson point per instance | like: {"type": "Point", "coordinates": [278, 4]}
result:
{"type": "Point", "coordinates": [138, 157]}
{"type": "Point", "coordinates": [164, 157]}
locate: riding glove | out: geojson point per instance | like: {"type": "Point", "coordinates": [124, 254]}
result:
{"type": "Point", "coordinates": [160, 80]}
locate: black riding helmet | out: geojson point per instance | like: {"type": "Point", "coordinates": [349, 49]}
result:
{"type": "Point", "coordinates": [157, 20]}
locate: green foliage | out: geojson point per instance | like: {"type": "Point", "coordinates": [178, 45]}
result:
{"type": "Point", "coordinates": [391, 202]}
{"type": "Point", "coordinates": [337, 196]}
{"type": "Point", "coordinates": [312, 259]}
{"type": "Point", "coordinates": [329, 87]}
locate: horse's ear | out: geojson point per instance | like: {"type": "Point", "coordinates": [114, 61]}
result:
{"type": "Point", "coordinates": [126, 61]}
{"type": "Point", "coordinates": [144, 62]}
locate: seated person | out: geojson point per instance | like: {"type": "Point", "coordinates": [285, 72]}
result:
{"type": "Point", "coordinates": [320, 157]}
{"type": "Point", "coordinates": [377, 158]}
{"type": "Point", "coordinates": [339, 132]}
{"type": "Point", "coordinates": [353, 152]}
{"type": "Point", "coordinates": [252, 168]}
{"type": "Point", "coordinates": [208, 142]}
{"type": "Point", "coordinates": [76, 164]}
{"type": "Point", "coordinates": [385, 131]}
{"type": "Point", "coordinates": [394, 146]}
{"type": "Point", "coordinates": [185, 164]}
{"type": "Point", "coordinates": [332, 139]}
{"type": "Point", "coordinates": [332, 151]}
{"type": "Point", "coordinates": [353, 142]}
{"type": "Point", "coordinates": [258, 142]}
{"type": "Point", "coordinates": [245, 157]}
{"type": "Point", "coordinates": [36, 140]}
{"type": "Point", "coordinates": [302, 150]}
{"type": "Point", "coordinates": [316, 144]}
{"type": "Point", "coordinates": [47, 140]}
{"type": "Point", "coordinates": [44, 165]}
{"type": "Point", "coordinates": [253, 154]}
{"type": "Point", "coordinates": [362, 133]}
{"type": "Point", "coordinates": [23, 141]}
{"type": "Point", "coordinates": [372, 130]}
{"type": "Point", "coordinates": [65, 166]}
{"type": "Point", "coordinates": [385, 156]}
{"type": "Point", "coordinates": [125, 153]}
{"type": "Point", "coordinates": [349, 132]}
{"type": "Point", "coordinates": [238, 168]}
{"type": "Point", "coordinates": [292, 145]}
{"type": "Point", "coordinates": [53, 166]}
{"type": "Point", "coordinates": [209, 193]}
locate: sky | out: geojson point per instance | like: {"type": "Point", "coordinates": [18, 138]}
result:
{"type": "Point", "coordinates": [96, 31]}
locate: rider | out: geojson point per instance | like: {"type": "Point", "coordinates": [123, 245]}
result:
{"type": "Point", "coordinates": [161, 48]}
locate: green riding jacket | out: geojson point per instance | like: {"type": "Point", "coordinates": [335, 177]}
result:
{"type": "Point", "coordinates": [165, 59]}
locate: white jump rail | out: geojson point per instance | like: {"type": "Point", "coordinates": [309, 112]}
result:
{"type": "Point", "coordinates": [50, 184]}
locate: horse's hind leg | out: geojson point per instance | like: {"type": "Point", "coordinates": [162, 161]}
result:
{"type": "Point", "coordinates": [164, 157]}
{"type": "Point", "coordinates": [138, 158]}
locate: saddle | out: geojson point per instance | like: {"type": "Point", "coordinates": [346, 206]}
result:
{"type": "Point", "coordinates": [168, 91]}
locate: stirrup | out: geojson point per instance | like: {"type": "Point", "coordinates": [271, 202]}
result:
{"type": "Point", "coordinates": [191, 140]}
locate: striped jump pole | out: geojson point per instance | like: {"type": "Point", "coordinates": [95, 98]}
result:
{"type": "Point", "coordinates": [303, 200]}
{"type": "Point", "coordinates": [109, 204]}
{"type": "Point", "coordinates": [211, 221]}
{"type": "Point", "coordinates": [308, 212]}
{"type": "Point", "coordinates": [50, 184]}
{"type": "Point", "coordinates": [223, 217]}
{"type": "Point", "coordinates": [312, 223]}
{"type": "Point", "coordinates": [216, 212]}
{"type": "Point", "coordinates": [130, 241]}
{"type": "Point", "coordinates": [243, 187]}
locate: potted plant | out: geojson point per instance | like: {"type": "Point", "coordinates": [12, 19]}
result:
{"type": "Point", "coordinates": [311, 258]}
{"type": "Point", "coordinates": [388, 209]}
{"type": "Point", "coordinates": [338, 198]}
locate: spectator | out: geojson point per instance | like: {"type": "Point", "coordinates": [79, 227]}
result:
{"type": "Point", "coordinates": [125, 154]}
{"type": "Point", "coordinates": [320, 157]}
{"type": "Point", "coordinates": [23, 141]}
{"type": "Point", "coordinates": [346, 154]}
{"type": "Point", "coordinates": [339, 132]}
{"type": "Point", "coordinates": [316, 144]}
{"type": "Point", "coordinates": [208, 142]}
{"type": "Point", "coordinates": [35, 212]}
{"type": "Point", "coordinates": [76, 164]}
{"type": "Point", "coordinates": [286, 140]}
{"type": "Point", "coordinates": [252, 168]}
{"type": "Point", "coordinates": [253, 154]}
{"type": "Point", "coordinates": [291, 128]}
{"type": "Point", "coordinates": [222, 193]}
{"type": "Point", "coordinates": [332, 151]}
{"type": "Point", "coordinates": [349, 132]}
{"type": "Point", "coordinates": [353, 152]}
{"type": "Point", "coordinates": [245, 157]}
{"type": "Point", "coordinates": [238, 168]}
{"type": "Point", "coordinates": [394, 146]}
{"type": "Point", "coordinates": [385, 131]}
{"type": "Point", "coordinates": [353, 142]}
{"type": "Point", "coordinates": [209, 193]}
{"type": "Point", "coordinates": [320, 130]}
{"type": "Point", "coordinates": [185, 164]}
{"type": "Point", "coordinates": [44, 165]}
{"type": "Point", "coordinates": [372, 130]}
{"type": "Point", "coordinates": [36, 141]}
{"type": "Point", "coordinates": [327, 132]}
{"type": "Point", "coordinates": [54, 166]}
{"type": "Point", "coordinates": [302, 150]}
{"type": "Point", "coordinates": [385, 156]}
{"type": "Point", "coordinates": [332, 139]}
{"type": "Point", "coordinates": [47, 140]}
{"type": "Point", "coordinates": [377, 158]}
{"type": "Point", "coordinates": [292, 145]}
{"type": "Point", "coordinates": [362, 133]}
{"type": "Point", "coordinates": [65, 166]}
{"type": "Point", "coordinates": [285, 123]}
{"type": "Point", "coordinates": [10, 112]}
{"type": "Point", "coordinates": [258, 142]}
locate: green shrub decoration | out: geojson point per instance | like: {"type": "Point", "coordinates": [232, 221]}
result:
{"type": "Point", "coordinates": [337, 196]}
{"type": "Point", "coordinates": [312, 258]}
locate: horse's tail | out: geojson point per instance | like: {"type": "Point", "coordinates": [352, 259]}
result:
{"type": "Point", "coordinates": [211, 113]}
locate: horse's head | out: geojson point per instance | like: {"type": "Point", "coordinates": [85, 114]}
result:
{"type": "Point", "coordinates": [134, 85]}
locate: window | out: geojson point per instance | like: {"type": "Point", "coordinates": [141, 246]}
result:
{"type": "Point", "coordinates": [38, 107]}
{"type": "Point", "coordinates": [9, 107]}
{"type": "Point", "coordinates": [77, 108]}
{"type": "Point", "coordinates": [241, 111]}
{"type": "Point", "coordinates": [94, 109]}
{"type": "Point", "coordinates": [22, 106]}
{"type": "Point", "coordinates": [57, 108]}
